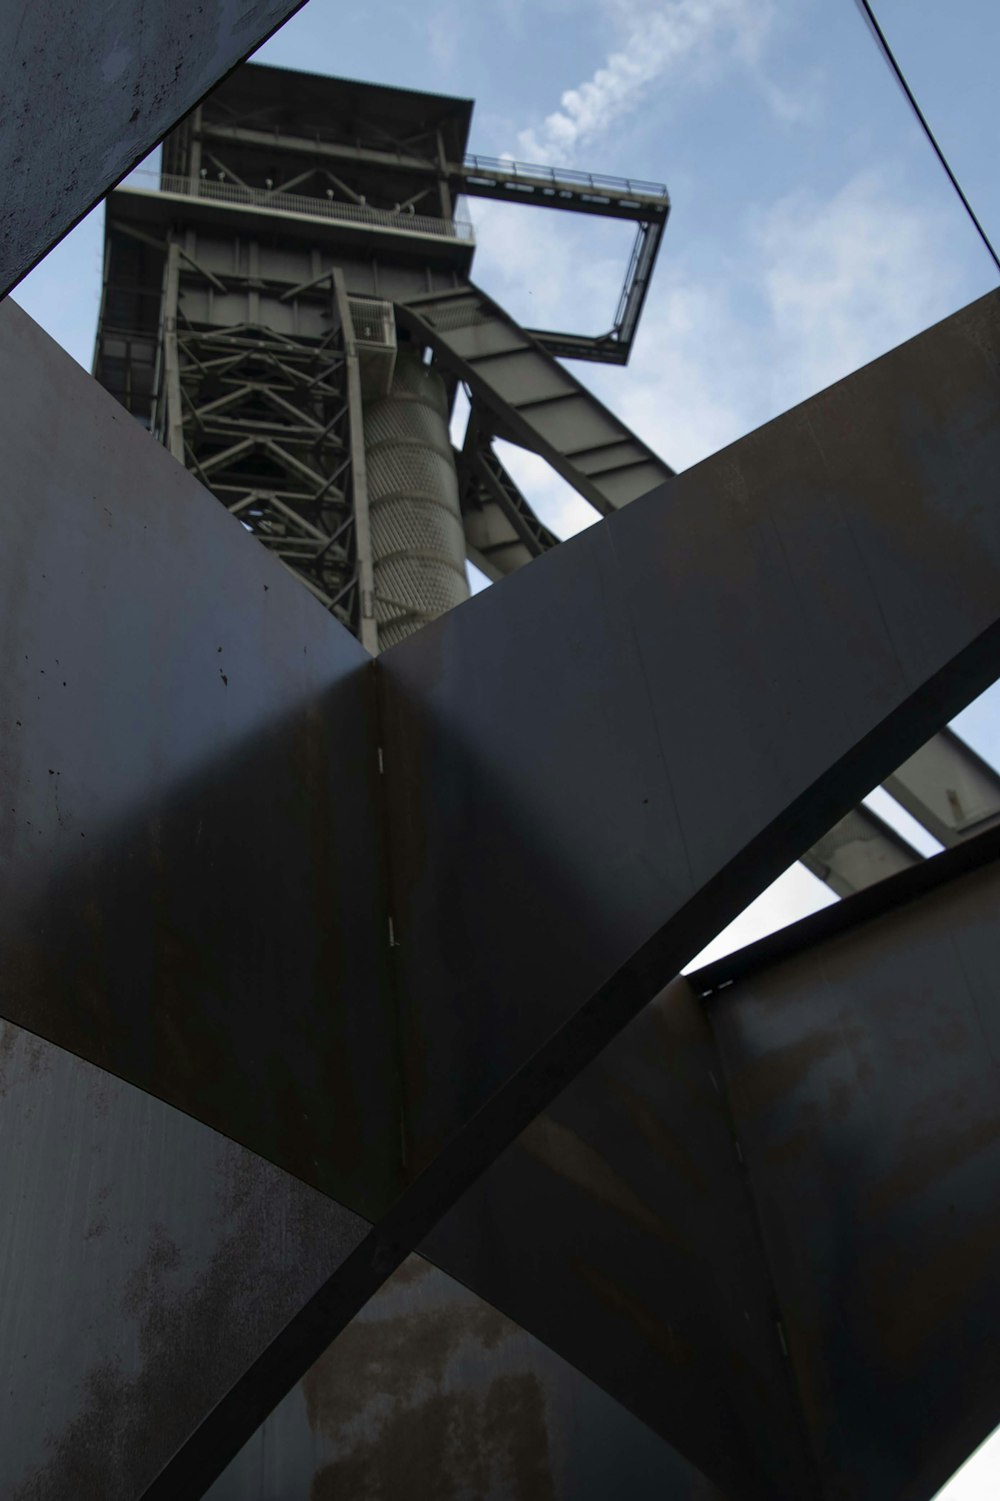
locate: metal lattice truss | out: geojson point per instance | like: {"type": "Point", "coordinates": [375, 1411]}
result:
{"type": "Point", "coordinates": [266, 427]}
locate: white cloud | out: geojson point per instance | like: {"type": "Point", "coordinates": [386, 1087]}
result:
{"type": "Point", "coordinates": [810, 288]}
{"type": "Point", "coordinates": [657, 39]}
{"type": "Point", "coordinates": [851, 276]}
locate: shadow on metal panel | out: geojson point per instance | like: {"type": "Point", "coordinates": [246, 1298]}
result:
{"type": "Point", "coordinates": [864, 1075]}
{"type": "Point", "coordinates": [190, 831]}
{"type": "Point", "coordinates": [88, 90]}
{"type": "Point", "coordinates": [619, 1230]}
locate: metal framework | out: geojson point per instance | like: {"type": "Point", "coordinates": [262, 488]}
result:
{"type": "Point", "coordinates": [407, 929]}
{"type": "Point", "coordinates": [260, 744]}
{"type": "Point", "coordinates": [320, 180]}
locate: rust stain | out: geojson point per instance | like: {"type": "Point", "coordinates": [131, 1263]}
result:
{"type": "Point", "coordinates": [389, 1357]}
{"type": "Point", "coordinates": [381, 1399]}
{"type": "Point", "coordinates": [128, 1423]}
{"type": "Point", "coordinates": [450, 1448]}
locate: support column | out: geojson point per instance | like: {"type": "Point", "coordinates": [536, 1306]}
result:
{"type": "Point", "coordinates": [418, 543]}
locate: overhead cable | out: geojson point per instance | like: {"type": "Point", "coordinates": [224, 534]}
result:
{"type": "Point", "coordinates": [887, 53]}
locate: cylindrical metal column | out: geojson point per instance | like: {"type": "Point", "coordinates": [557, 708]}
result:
{"type": "Point", "coordinates": [418, 544]}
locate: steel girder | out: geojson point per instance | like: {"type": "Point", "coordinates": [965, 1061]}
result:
{"type": "Point", "coordinates": [593, 783]}
{"type": "Point", "coordinates": [532, 398]}
{"type": "Point", "coordinates": [88, 90]}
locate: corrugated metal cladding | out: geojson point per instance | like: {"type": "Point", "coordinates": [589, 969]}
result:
{"type": "Point", "coordinates": [418, 543]}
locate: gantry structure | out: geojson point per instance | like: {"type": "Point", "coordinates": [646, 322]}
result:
{"type": "Point", "coordinates": [288, 307]}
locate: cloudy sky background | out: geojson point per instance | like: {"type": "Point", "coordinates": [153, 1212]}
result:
{"type": "Point", "coordinates": [811, 231]}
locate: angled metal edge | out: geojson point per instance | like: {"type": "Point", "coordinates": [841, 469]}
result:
{"type": "Point", "coordinates": [89, 90]}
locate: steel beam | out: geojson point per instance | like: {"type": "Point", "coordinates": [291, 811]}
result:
{"type": "Point", "coordinates": [948, 788]}
{"type": "Point", "coordinates": [858, 851]}
{"type": "Point", "coordinates": [88, 90]}
{"type": "Point", "coordinates": [502, 532]}
{"type": "Point", "coordinates": [532, 398]}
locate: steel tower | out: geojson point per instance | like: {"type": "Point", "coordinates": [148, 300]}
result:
{"type": "Point", "coordinates": [363, 1132]}
{"type": "Point", "coordinates": [289, 309]}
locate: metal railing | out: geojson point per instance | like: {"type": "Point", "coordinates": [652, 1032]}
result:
{"type": "Point", "coordinates": [336, 209]}
{"type": "Point", "coordinates": [555, 177]}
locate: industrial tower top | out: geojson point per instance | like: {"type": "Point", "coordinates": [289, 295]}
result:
{"type": "Point", "coordinates": [288, 307]}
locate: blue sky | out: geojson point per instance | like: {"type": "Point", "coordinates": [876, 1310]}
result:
{"type": "Point", "coordinates": [811, 228]}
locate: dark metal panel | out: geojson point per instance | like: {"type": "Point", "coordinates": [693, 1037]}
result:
{"type": "Point", "coordinates": [636, 735]}
{"type": "Point", "coordinates": [144, 1262]}
{"type": "Point", "coordinates": [88, 89]}
{"type": "Point", "coordinates": [431, 1393]}
{"type": "Point", "coordinates": [619, 1230]}
{"type": "Point", "coordinates": [544, 830]}
{"type": "Point", "coordinates": [190, 838]}
{"type": "Point", "coordinates": [865, 1081]}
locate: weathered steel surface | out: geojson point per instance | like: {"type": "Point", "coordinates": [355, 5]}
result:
{"type": "Point", "coordinates": [676, 709]}
{"type": "Point", "coordinates": [864, 1074]}
{"type": "Point", "coordinates": [190, 844]}
{"type": "Point", "coordinates": [634, 736]}
{"type": "Point", "coordinates": [431, 1393]}
{"type": "Point", "coordinates": [86, 90]}
{"type": "Point", "coordinates": [678, 703]}
{"type": "Point", "coordinates": [144, 1261]}
{"type": "Point", "coordinates": [619, 1230]}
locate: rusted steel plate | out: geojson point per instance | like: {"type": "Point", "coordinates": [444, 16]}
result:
{"type": "Point", "coordinates": [619, 1230]}
{"type": "Point", "coordinates": [579, 759]}
{"type": "Point", "coordinates": [85, 92]}
{"type": "Point", "coordinates": [864, 1074]}
{"type": "Point", "coordinates": [431, 1393]}
{"type": "Point", "coordinates": [144, 1262]}
{"type": "Point", "coordinates": [634, 736]}
{"type": "Point", "coordinates": [190, 843]}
